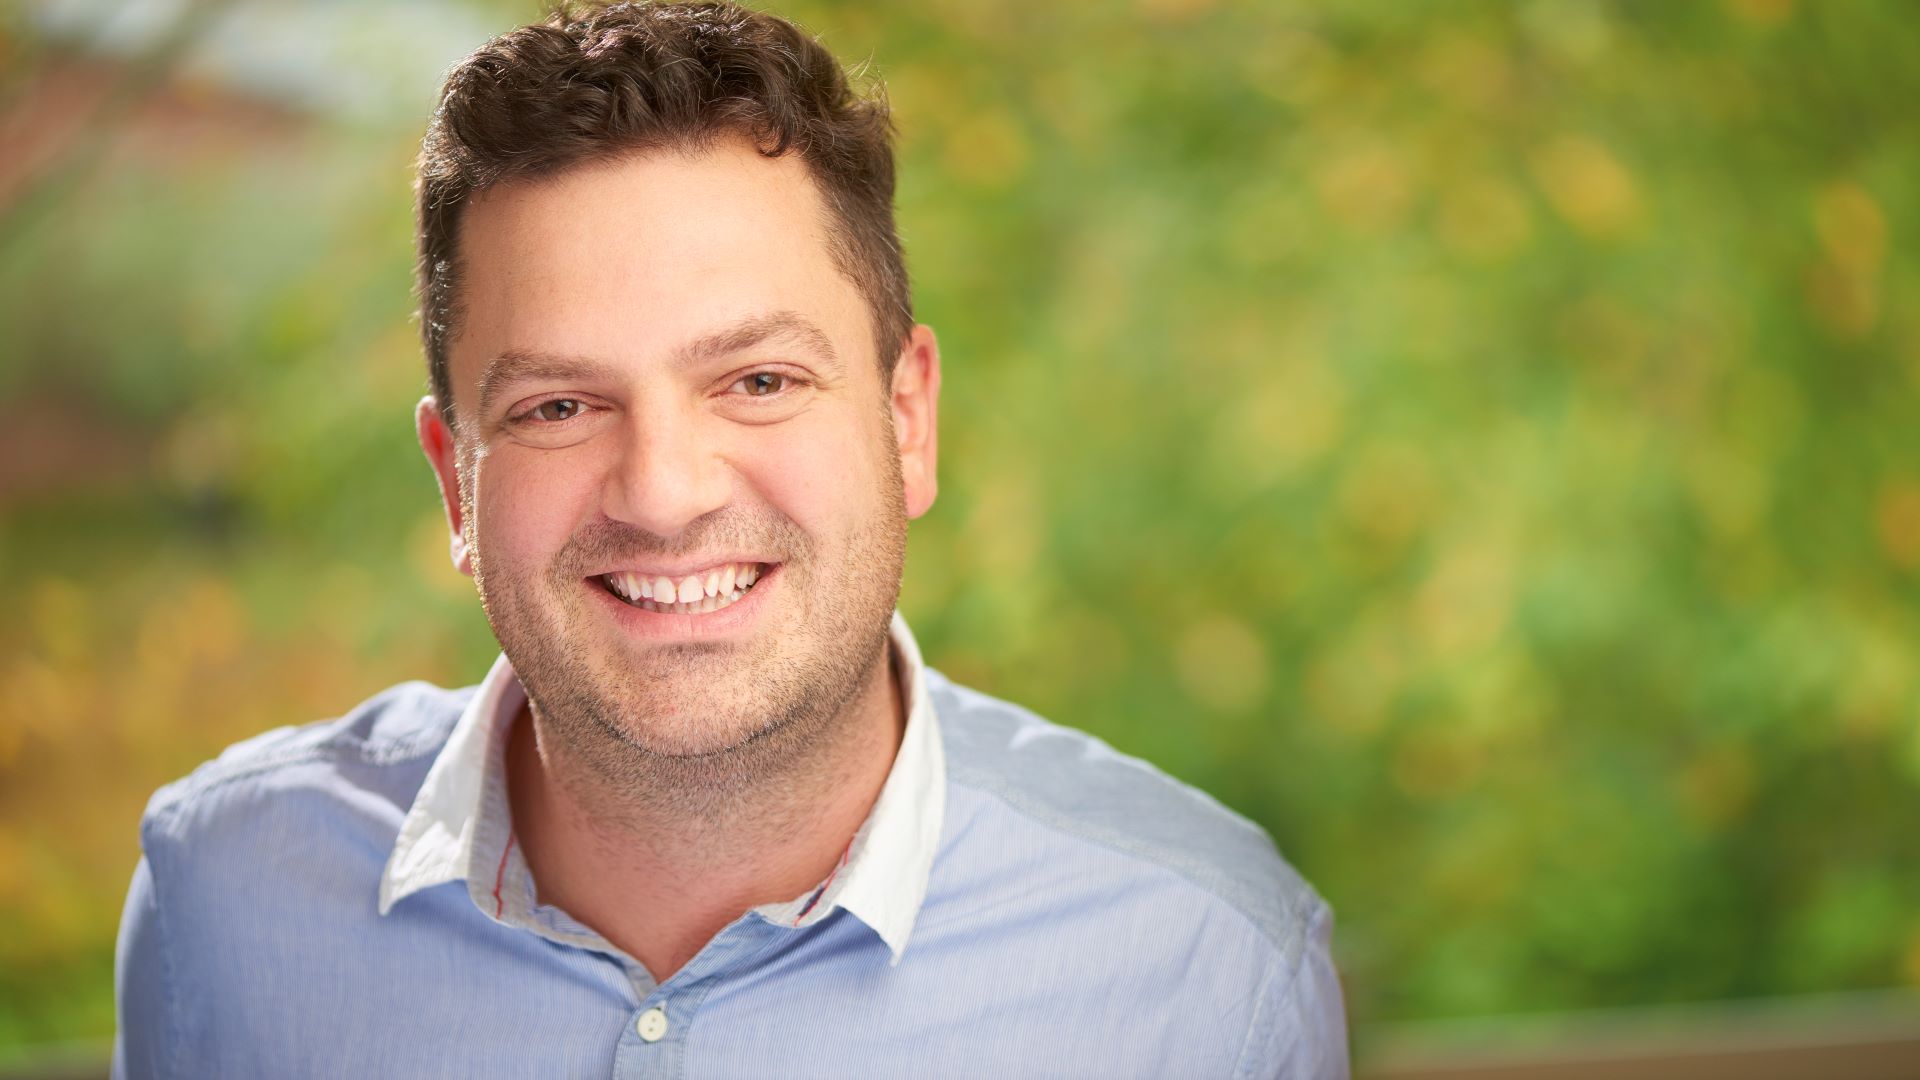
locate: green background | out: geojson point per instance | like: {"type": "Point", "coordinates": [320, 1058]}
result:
{"type": "Point", "coordinates": [1476, 441]}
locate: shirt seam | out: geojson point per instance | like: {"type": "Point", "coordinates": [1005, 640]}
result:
{"type": "Point", "coordinates": [1311, 903]}
{"type": "Point", "coordinates": [1292, 985]}
{"type": "Point", "coordinates": [195, 786]}
{"type": "Point", "coordinates": [1253, 1023]}
{"type": "Point", "coordinates": [169, 1060]}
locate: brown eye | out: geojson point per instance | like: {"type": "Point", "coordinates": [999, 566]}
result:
{"type": "Point", "coordinates": [557, 409]}
{"type": "Point", "coordinates": [762, 383]}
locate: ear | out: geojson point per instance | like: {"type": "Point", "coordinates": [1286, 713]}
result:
{"type": "Point", "coordinates": [437, 443]}
{"type": "Point", "coordinates": [916, 417]}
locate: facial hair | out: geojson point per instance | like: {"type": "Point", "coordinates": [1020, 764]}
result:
{"type": "Point", "coordinates": [701, 733]}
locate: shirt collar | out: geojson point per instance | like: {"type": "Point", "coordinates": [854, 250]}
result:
{"type": "Point", "coordinates": [882, 879]}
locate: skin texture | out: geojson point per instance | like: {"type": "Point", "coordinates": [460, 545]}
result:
{"type": "Point", "coordinates": [614, 411]}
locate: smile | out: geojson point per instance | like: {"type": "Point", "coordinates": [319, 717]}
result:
{"type": "Point", "coordinates": [693, 594]}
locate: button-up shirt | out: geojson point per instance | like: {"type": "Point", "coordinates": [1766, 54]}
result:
{"type": "Point", "coordinates": [349, 898]}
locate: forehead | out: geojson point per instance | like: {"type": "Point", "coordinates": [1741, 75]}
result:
{"type": "Point", "coordinates": [626, 260]}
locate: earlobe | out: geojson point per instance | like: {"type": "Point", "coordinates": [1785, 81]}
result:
{"type": "Point", "coordinates": [916, 418]}
{"type": "Point", "coordinates": [436, 441]}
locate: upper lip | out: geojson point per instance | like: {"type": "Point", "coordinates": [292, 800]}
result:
{"type": "Point", "coordinates": [679, 570]}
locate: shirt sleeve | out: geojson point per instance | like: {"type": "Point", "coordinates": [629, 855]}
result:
{"type": "Point", "coordinates": [140, 976]}
{"type": "Point", "coordinates": [1299, 1029]}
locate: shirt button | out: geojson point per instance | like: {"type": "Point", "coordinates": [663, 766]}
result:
{"type": "Point", "coordinates": [652, 1025]}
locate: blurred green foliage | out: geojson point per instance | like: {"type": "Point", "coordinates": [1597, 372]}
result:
{"type": "Point", "coordinates": [1478, 441]}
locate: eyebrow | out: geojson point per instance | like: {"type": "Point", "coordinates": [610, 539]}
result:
{"type": "Point", "coordinates": [758, 330]}
{"type": "Point", "coordinates": [522, 365]}
{"type": "Point", "coordinates": [526, 365]}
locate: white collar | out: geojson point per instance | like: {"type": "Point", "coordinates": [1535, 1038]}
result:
{"type": "Point", "coordinates": [881, 881]}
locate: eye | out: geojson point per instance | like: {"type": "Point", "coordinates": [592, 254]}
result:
{"type": "Point", "coordinates": [763, 383]}
{"type": "Point", "coordinates": [556, 410]}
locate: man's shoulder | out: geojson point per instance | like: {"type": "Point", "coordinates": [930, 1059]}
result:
{"type": "Point", "coordinates": [379, 750]}
{"type": "Point", "coordinates": [273, 850]}
{"type": "Point", "coordinates": [1074, 785]}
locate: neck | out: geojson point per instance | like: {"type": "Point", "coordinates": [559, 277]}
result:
{"type": "Point", "coordinates": [661, 853]}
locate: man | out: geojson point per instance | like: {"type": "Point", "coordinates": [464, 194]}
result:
{"type": "Point", "coordinates": [709, 814]}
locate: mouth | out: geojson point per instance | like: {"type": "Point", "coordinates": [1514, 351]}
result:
{"type": "Point", "coordinates": [698, 593]}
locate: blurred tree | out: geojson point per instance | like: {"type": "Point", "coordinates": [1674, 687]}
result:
{"type": "Point", "coordinates": [1476, 441]}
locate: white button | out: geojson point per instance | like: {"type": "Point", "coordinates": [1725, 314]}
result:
{"type": "Point", "coordinates": [652, 1025]}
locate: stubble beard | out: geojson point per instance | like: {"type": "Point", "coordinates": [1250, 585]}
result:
{"type": "Point", "coordinates": [702, 734]}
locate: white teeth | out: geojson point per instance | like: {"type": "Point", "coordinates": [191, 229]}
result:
{"type": "Point", "coordinates": [694, 595]}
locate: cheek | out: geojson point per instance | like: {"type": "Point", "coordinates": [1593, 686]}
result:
{"type": "Point", "coordinates": [822, 475]}
{"type": "Point", "coordinates": [528, 504]}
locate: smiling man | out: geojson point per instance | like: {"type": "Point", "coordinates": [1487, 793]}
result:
{"type": "Point", "coordinates": [710, 814]}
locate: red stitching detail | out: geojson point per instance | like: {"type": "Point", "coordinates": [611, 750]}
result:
{"type": "Point", "coordinates": [825, 884]}
{"type": "Point", "coordinates": [499, 876]}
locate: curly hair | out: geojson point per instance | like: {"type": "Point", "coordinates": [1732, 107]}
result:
{"type": "Point", "coordinates": [595, 82]}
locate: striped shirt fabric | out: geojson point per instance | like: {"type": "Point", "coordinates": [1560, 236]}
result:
{"type": "Point", "coordinates": [349, 898]}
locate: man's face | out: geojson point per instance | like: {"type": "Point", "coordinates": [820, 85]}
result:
{"type": "Point", "coordinates": [663, 385]}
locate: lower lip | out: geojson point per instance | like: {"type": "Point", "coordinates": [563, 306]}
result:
{"type": "Point", "coordinates": [726, 622]}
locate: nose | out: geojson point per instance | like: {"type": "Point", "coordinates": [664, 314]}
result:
{"type": "Point", "coordinates": [669, 473]}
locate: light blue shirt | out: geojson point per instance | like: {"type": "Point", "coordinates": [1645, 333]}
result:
{"type": "Point", "coordinates": [348, 899]}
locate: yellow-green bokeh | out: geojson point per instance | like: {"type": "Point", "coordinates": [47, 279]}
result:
{"type": "Point", "coordinates": [1478, 441]}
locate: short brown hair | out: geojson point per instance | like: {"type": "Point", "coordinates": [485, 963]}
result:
{"type": "Point", "coordinates": [592, 83]}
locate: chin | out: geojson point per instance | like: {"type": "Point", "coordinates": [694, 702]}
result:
{"type": "Point", "coordinates": [662, 737]}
